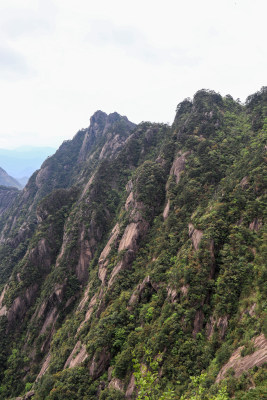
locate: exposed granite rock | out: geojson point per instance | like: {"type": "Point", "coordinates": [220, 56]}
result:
{"type": "Point", "coordinates": [130, 388]}
{"type": "Point", "coordinates": [3, 308]}
{"type": "Point", "coordinates": [172, 294]}
{"type": "Point", "coordinates": [166, 210]}
{"type": "Point", "coordinates": [221, 323]}
{"type": "Point", "coordinates": [40, 255]}
{"type": "Point", "coordinates": [255, 225]}
{"type": "Point", "coordinates": [244, 183]}
{"type": "Point", "coordinates": [195, 235]}
{"type": "Point", "coordinates": [198, 322]}
{"type": "Point", "coordinates": [135, 297]}
{"type": "Point", "coordinates": [86, 255]}
{"type": "Point", "coordinates": [45, 366]}
{"type": "Point", "coordinates": [178, 166]}
{"type": "Point", "coordinates": [99, 364]}
{"type": "Point", "coordinates": [103, 259]}
{"type": "Point", "coordinates": [77, 356]}
{"type": "Point", "coordinates": [125, 262]}
{"type": "Point", "coordinates": [241, 364]}
{"type": "Point", "coordinates": [116, 384]}
{"type": "Point", "coordinates": [27, 396]}
{"type": "Point", "coordinates": [113, 127]}
{"type": "Point", "coordinates": [20, 305]}
{"type": "Point", "coordinates": [90, 309]}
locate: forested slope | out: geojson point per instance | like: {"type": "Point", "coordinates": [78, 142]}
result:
{"type": "Point", "coordinates": [140, 250]}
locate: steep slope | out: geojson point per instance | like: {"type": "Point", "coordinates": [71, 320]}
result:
{"type": "Point", "coordinates": [141, 242]}
{"type": "Point", "coordinates": [6, 180]}
{"type": "Point", "coordinates": [7, 196]}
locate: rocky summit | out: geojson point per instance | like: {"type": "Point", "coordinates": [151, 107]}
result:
{"type": "Point", "coordinates": [133, 263]}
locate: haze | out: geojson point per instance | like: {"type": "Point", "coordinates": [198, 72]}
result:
{"type": "Point", "coordinates": [60, 61]}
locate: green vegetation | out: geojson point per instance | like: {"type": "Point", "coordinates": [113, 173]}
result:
{"type": "Point", "coordinates": [160, 310]}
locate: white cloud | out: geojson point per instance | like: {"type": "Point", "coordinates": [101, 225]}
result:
{"type": "Point", "coordinates": [61, 60]}
{"type": "Point", "coordinates": [13, 65]}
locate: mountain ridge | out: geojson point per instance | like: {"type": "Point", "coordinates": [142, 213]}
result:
{"type": "Point", "coordinates": [135, 241]}
{"type": "Point", "coordinates": [7, 180]}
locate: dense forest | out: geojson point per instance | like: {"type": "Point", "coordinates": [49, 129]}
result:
{"type": "Point", "coordinates": [133, 263]}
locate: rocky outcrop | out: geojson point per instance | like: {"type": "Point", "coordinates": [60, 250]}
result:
{"type": "Point", "coordinates": [40, 255]}
{"type": "Point", "coordinates": [178, 165]}
{"type": "Point", "coordinates": [116, 384]}
{"type": "Point", "coordinates": [130, 236]}
{"type": "Point", "coordinates": [29, 395]}
{"type": "Point", "coordinates": [20, 305]}
{"type": "Point", "coordinates": [244, 183]}
{"type": "Point", "coordinates": [255, 225]}
{"type": "Point", "coordinates": [90, 310]}
{"type": "Point", "coordinates": [45, 366]}
{"type": "Point", "coordinates": [198, 322]}
{"type": "Point", "coordinates": [130, 388]}
{"type": "Point", "coordinates": [42, 176]}
{"type": "Point", "coordinates": [147, 283]}
{"type": "Point", "coordinates": [195, 235]}
{"type": "Point", "coordinates": [103, 259]}
{"type": "Point", "coordinates": [221, 324]}
{"type": "Point", "coordinates": [99, 363]}
{"type": "Point", "coordinates": [172, 294]}
{"type": "Point", "coordinates": [77, 356]}
{"type": "Point", "coordinates": [87, 247]}
{"type": "Point", "coordinates": [3, 307]}
{"type": "Point", "coordinates": [133, 233]}
{"type": "Point", "coordinates": [166, 210]}
{"type": "Point", "coordinates": [241, 364]}
{"type": "Point", "coordinates": [113, 128]}
{"type": "Point", "coordinates": [125, 262]}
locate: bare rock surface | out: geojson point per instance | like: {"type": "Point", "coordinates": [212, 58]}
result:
{"type": "Point", "coordinates": [221, 323]}
{"type": "Point", "coordinates": [130, 388]}
{"type": "Point", "coordinates": [77, 356]}
{"type": "Point", "coordinates": [103, 259]}
{"type": "Point", "coordinates": [241, 364]}
{"type": "Point", "coordinates": [90, 310]}
{"type": "Point", "coordinates": [178, 166]}
{"type": "Point", "coordinates": [139, 290]}
{"type": "Point", "coordinates": [105, 252]}
{"type": "Point", "coordinates": [21, 304]}
{"type": "Point", "coordinates": [195, 235]}
{"type": "Point", "coordinates": [129, 238]}
{"type": "Point", "coordinates": [99, 364]}
{"type": "Point", "coordinates": [116, 384]}
{"type": "Point", "coordinates": [3, 308]}
{"type": "Point", "coordinates": [166, 210]}
{"type": "Point", "coordinates": [86, 254]}
{"type": "Point", "coordinates": [255, 225]}
{"type": "Point", "coordinates": [44, 366]}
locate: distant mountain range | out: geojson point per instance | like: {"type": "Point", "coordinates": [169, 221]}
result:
{"type": "Point", "coordinates": [7, 180]}
{"type": "Point", "coordinates": [23, 161]}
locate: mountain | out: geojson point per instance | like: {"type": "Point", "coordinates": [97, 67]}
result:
{"type": "Point", "coordinates": [6, 180]}
{"type": "Point", "coordinates": [132, 265]}
{"type": "Point", "coordinates": [24, 161]}
{"type": "Point", "coordinates": [23, 181]}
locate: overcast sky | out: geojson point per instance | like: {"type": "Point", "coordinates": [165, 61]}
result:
{"type": "Point", "coordinates": [61, 60]}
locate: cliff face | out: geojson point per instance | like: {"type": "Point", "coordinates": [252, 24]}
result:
{"type": "Point", "coordinates": [135, 240]}
{"type": "Point", "coordinates": [7, 196]}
